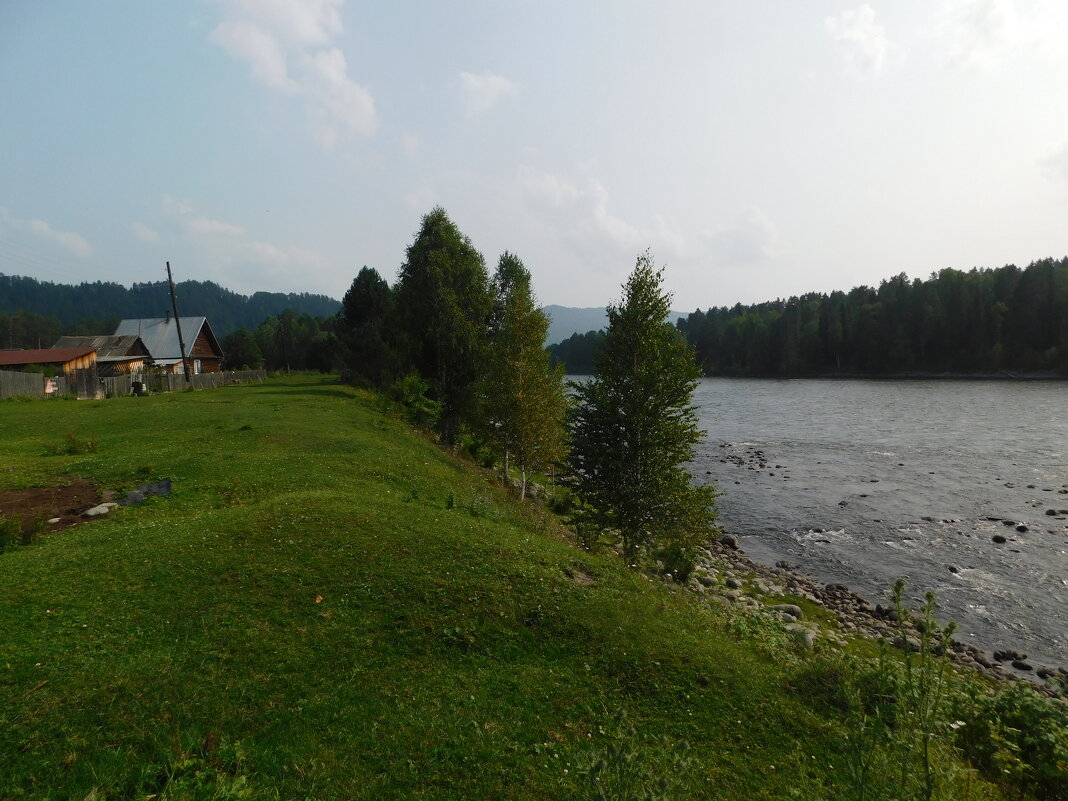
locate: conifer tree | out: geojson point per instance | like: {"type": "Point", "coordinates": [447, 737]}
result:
{"type": "Point", "coordinates": [443, 303]}
{"type": "Point", "coordinates": [633, 427]}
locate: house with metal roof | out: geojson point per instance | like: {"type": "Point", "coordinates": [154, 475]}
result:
{"type": "Point", "coordinates": [160, 337]}
{"type": "Point", "coordinates": [115, 355]}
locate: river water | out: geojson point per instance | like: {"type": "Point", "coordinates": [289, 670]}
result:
{"type": "Point", "coordinates": [860, 482]}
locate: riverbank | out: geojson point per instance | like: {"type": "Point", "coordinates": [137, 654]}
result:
{"type": "Point", "coordinates": [726, 575]}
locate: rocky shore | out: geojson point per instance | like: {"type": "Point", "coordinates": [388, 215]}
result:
{"type": "Point", "coordinates": [725, 574]}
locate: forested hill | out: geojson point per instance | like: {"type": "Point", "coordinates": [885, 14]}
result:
{"type": "Point", "coordinates": [985, 321]}
{"type": "Point", "coordinates": [101, 302]}
{"type": "Point", "coordinates": [982, 321]}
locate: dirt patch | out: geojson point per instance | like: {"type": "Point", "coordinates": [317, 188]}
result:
{"type": "Point", "coordinates": [39, 504]}
{"type": "Point", "coordinates": [580, 576]}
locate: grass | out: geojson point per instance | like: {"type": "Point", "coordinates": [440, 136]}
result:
{"type": "Point", "coordinates": [328, 606]}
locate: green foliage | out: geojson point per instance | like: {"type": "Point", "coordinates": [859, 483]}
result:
{"type": "Point", "coordinates": [10, 533]}
{"type": "Point", "coordinates": [980, 321]}
{"type": "Point", "coordinates": [898, 724]}
{"type": "Point", "coordinates": [1016, 736]}
{"type": "Point", "coordinates": [365, 316]}
{"type": "Point", "coordinates": [411, 392]}
{"type": "Point", "coordinates": [621, 770]}
{"type": "Point", "coordinates": [73, 445]}
{"type": "Point", "coordinates": [523, 398]}
{"type": "Point", "coordinates": [577, 352]}
{"type": "Point", "coordinates": [633, 428]}
{"type": "Point", "coordinates": [677, 561]}
{"type": "Point", "coordinates": [443, 303]}
{"type": "Point", "coordinates": [241, 352]}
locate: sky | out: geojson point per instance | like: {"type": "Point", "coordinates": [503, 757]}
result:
{"type": "Point", "coordinates": [761, 149]}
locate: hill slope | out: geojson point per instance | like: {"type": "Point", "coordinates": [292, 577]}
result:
{"type": "Point", "coordinates": [361, 617]}
{"type": "Point", "coordinates": [226, 310]}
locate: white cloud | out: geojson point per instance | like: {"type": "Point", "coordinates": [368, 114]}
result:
{"type": "Point", "coordinates": [69, 240]}
{"type": "Point", "coordinates": [1056, 165]}
{"type": "Point", "coordinates": [202, 225]}
{"type": "Point", "coordinates": [749, 240]}
{"type": "Point", "coordinates": [144, 233]}
{"type": "Point", "coordinates": [862, 40]}
{"type": "Point", "coordinates": [483, 92]}
{"type": "Point", "coordinates": [581, 214]}
{"type": "Point", "coordinates": [287, 45]}
{"type": "Point", "coordinates": [983, 33]}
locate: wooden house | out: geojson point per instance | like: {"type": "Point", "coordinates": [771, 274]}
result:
{"type": "Point", "coordinates": [115, 355]}
{"type": "Point", "coordinates": [78, 366]}
{"type": "Point", "coordinates": [160, 338]}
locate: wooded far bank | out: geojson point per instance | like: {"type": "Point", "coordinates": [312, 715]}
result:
{"type": "Point", "coordinates": [985, 321]}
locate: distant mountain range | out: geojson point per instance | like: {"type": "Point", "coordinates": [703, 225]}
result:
{"type": "Point", "coordinates": [567, 320]}
{"type": "Point", "coordinates": [104, 301]}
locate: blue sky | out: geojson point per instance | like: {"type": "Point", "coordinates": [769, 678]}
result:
{"type": "Point", "coordinates": [761, 149]}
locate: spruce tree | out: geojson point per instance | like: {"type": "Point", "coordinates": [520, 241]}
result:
{"type": "Point", "coordinates": [634, 426]}
{"type": "Point", "coordinates": [443, 303]}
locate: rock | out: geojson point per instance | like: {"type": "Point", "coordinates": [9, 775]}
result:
{"type": "Point", "coordinates": [1008, 522]}
{"type": "Point", "coordinates": [803, 636]}
{"type": "Point", "coordinates": [729, 540]}
{"type": "Point", "coordinates": [1045, 673]}
{"type": "Point", "coordinates": [907, 643]}
{"type": "Point", "coordinates": [782, 563]}
{"type": "Point", "coordinates": [96, 511]}
{"type": "Point", "coordinates": [952, 568]}
{"type": "Point", "coordinates": [54, 520]}
{"type": "Point", "coordinates": [1008, 655]}
{"type": "Point", "coordinates": [1051, 512]}
{"type": "Point", "coordinates": [793, 610]}
{"type": "Point", "coordinates": [1021, 528]}
{"type": "Point", "coordinates": [732, 595]}
{"type": "Point", "coordinates": [733, 583]}
{"type": "Point", "coordinates": [999, 539]}
{"type": "Point", "coordinates": [706, 580]}
{"type": "Point", "coordinates": [1019, 664]}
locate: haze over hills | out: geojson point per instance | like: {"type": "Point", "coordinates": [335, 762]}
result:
{"type": "Point", "coordinates": [567, 320]}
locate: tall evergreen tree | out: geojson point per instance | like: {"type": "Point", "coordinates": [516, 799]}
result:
{"type": "Point", "coordinates": [443, 305]}
{"type": "Point", "coordinates": [524, 396]}
{"type": "Point", "coordinates": [365, 316]}
{"type": "Point", "coordinates": [634, 427]}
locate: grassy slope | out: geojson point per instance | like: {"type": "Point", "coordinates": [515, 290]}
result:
{"type": "Point", "coordinates": [179, 647]}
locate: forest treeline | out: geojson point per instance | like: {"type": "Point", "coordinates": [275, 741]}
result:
{"type": "Point", "coordinates": [35, 313]}
{"type": "Point", "coordinates": [984, 321]}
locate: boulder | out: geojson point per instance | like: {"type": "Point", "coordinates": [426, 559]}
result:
{"type": "Point", "coordinates": [793, 610]}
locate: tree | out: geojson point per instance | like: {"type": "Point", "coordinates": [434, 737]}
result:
{"type": "Point", "coordinates": [634, 426]}
{"type": "Point", "coordinates": [443, 305]}
{"type": "Point", "coordinates": [241, 351]}
{"type": "Point", "coordinates": [364, 318]}
{"type": "Point", "coordinates": [524, 400]}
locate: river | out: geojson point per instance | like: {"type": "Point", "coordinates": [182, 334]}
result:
{"type": "Point", "coordinates": [860, 482]}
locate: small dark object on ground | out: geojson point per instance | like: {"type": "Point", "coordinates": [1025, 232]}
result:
{"type": "Point", "coordinates": [140, 493]}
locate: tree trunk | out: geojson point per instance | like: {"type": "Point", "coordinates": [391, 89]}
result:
{"type": "Point", "coordinates": [523, 483]}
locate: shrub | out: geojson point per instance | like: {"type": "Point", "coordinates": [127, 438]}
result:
{"type": "Point", "coordinates": [411, 393]}
{"type": "Point", "coordinates": [677, 562]}
{"type": "Point", "coordinates": [73, 445]}
{"type": "Point", "coordinates": [10, 532]}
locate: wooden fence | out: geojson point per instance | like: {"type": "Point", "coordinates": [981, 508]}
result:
{"type": "Point", "coordinates": [32, 385]}
{"type": "Point", "coordinates": [25, 385]}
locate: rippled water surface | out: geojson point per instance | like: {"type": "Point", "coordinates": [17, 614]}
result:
{"type": "Point", "coordinates": [860, 482]}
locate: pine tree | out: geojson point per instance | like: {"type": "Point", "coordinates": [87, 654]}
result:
{"type": "Point", "coordinates": [634, 427]}
{"type": "Point", "coordinates": [443, 304]}
{"type": "Point", "coordinates": [524, 396]}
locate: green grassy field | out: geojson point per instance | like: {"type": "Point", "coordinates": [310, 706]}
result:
{"type": "Point", "coordinates": [328, 606]}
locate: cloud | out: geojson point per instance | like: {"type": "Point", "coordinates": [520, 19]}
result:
{"type": "Point", "coordinates": [288, 46]}
{"type": "Point", "coordinates": [580, 213]}
{"type": "Point", "coordinates": [410, 145]}
{"type": "Point", "coordinates": [483, 92]}
{"type": "Point", "coordinates": [144, 233]}
{"type": "Point", "coordinates": [69, 240]}
{"type": "Point", "coordinates": [983, 33]}
{"type": "Point", "coordinates": [202, 225]}
{"type": "Point", "coordinates": [861, 39]}
{"type": "Point", "coordinates": [1056, 165]}
{"type": "Point", "coordinates": [749, 240]}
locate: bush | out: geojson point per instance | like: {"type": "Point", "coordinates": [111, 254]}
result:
{"type": "Point", "coordinates": [10, 533]}
{"type": "Point", "coordinates": [73, 445]}
{"type": "Point", "coordinates": [411, 393]}
{"type": "Point", "coordinates": [677, 562]}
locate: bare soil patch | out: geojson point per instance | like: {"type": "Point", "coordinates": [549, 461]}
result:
{"type": "Point", "coordinates": [39, 504]}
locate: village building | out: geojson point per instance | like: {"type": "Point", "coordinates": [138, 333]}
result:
{"type": "Point", "coordinates": [77, 365]}
{"type": "Point", "coordinates": [160, 338]}
{"type": "Point", "coordinates": [115, 355]}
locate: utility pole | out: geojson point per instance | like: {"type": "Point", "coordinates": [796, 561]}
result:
{"type": "Point", "coordinates": [178, 322]}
